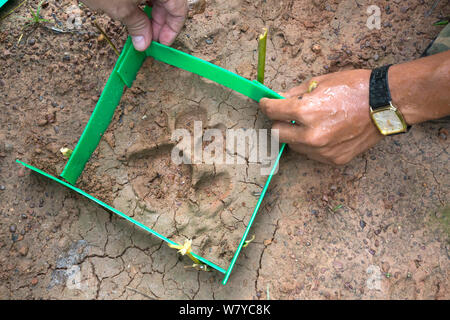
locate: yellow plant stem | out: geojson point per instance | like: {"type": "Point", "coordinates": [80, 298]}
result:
{"type": "Point", "coordinates": [12, 10]}
{"type": "Point", "coordinates": [107, 38]}
{"type": "Point", "coordinates": [262, 45]}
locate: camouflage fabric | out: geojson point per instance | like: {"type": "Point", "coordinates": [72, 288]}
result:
{"type": "Point", "coordinates": [441, 43]}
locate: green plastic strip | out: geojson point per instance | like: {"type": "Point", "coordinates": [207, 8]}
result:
{"type": "Point", "coordinates": [124, 73]}
{"type": "Point", "coordinates": [255, 211]}
{"type": "Point", "coordinates": [182, 60]}
{"type": "Point", "coordinates": [137, 223]}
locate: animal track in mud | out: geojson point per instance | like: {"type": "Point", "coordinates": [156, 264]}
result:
{"type": "Point", "coordinates": [163, 185]}
{"type": "Point", "coordinates": [156, 179]}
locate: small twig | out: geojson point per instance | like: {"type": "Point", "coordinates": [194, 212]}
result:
{"type": "Point", "coordinates": [262, 45]}
{"type": "Point", "coordinates": [107, 38]}
{"type": "Point", "coordinates": [12, 10]}
{"type": "Point", "coordinates": [436, 2]}
{"type": "Point", "coordinates": [141, 293]}
{"type": "Point", "coordinates": [20, 38]}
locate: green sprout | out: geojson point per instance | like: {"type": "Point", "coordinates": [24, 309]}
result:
{"type": "Point", "coordinates": [66, 152]}
{"type": "Point", "coordinates": [441, 23]}
{"type": "Point", "coordinates": [247, 242]}
{"type": "Point", "coordinates": [337, 207]}
{"type": "Point", "coordinates": [36, 17]}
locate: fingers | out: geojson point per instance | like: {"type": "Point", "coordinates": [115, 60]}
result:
{"type": "Point", "coordinates": [297, 91]}
{"type": "Point", "coordinates": [290, 133]}
{"type": "Point", "coordinates": [139, 27]}
{"type": "Point", "coordinates": [168, 18]}
{"type": "Point", "coordinates": [286, 109]}
{"type": "Point", "coordinates": [299, 134]}
{"type": "Point", "coordinates": [281, 109]}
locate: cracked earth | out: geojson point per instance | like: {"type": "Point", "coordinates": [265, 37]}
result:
{"type": "Point", "coordinates": [377, 228]}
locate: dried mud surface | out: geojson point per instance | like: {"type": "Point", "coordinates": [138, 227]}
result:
{"type": "Point", "coordinates": [376, 228]}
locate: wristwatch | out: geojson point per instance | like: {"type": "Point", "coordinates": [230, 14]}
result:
{"type": "Point", "coordinates": [387, 118]}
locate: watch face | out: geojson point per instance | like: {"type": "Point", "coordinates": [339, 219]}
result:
{"type": "Point", "coordinates": [388, 121]}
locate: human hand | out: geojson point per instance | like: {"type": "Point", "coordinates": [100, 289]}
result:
{"type": "Point", "coordinates": [168, 18]}
{"type": "Point", "coordinates": [333, 123]}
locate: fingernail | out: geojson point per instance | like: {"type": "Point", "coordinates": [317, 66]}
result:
{"type": "Point", "coordinates": [138, 43]}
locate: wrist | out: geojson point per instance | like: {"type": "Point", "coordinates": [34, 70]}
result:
{"type": "Point", "coordinates": [401, 87]}
{"type": "Point", "coordinates": [418, 88]}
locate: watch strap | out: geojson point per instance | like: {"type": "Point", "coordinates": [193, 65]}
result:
{"type": "Point", "coordinates": [379, 93]}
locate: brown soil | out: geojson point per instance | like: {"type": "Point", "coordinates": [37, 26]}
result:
{"type": "Point", "coordinates": [376, 228]}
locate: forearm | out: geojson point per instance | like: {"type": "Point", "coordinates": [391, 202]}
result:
{"type": "Point", "coordinates": [421, 89]}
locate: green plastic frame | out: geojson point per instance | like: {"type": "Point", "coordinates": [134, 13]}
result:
{"type": "Point", "coordinates": [123, 74]}
{"type": "Point", "coordinates": [2, 2]}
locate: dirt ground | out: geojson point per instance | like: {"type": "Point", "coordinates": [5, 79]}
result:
{"type": "Point", "coordinates": [377, 228]}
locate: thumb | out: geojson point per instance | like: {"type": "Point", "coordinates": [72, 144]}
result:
{"type": "Point", "coordinates": [139, 28]}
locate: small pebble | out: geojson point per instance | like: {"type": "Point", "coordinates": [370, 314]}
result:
{"type": "Point", "coordinates": [12, 228]}
{"type": "Point", "coordinates": [32, 41]}
{"type": "Point", "coordinates": [443, 134]}
{"type": "Point", "coordinates": [42, 122]}
{"type": "Point", "coordinates": [9, 147]}
{"type": "Point", "coordinates": [209, 41]}
{"type": "Point", "coordinates": [21, 172]}
{"type": "Point", "coordinates": [362, 224]}
{"type": "Point", "coordinates": [23, 251]}
{"type": "Point", "coordinates": [316, 48]}
{"type": "Point", "coordinates": [2, 187]}
{"type": "Point", "coordinates": [338, 266]}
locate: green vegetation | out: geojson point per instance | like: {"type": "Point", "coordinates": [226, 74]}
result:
{"type": "Point", "coordinates": [36, 17]}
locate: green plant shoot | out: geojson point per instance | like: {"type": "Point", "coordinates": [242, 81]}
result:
{"type": "Point", "coordinates": [36, 17]}
{"type": "Point", "coordinates": [262, 45]}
